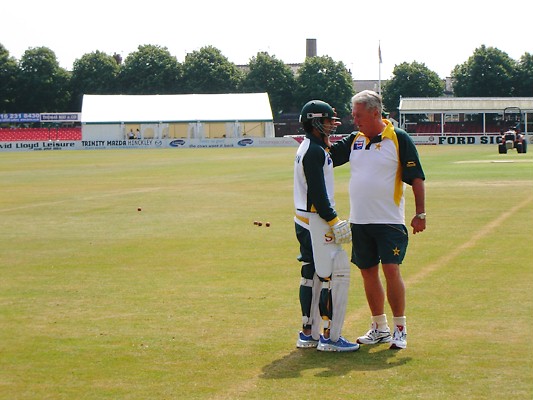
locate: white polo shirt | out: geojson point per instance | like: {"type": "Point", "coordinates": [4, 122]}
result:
{"type": "Point", "coordinates": [376, 187]}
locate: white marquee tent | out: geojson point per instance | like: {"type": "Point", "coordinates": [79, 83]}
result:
{"type": "Point", "coordinates": [195, 116]}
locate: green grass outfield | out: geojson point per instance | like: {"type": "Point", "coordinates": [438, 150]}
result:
{"type": "Point", "coordinates": [187, 299]}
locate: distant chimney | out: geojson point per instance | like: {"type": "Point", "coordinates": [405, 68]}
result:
{"type": "Point", "coordinates": [310, 49]}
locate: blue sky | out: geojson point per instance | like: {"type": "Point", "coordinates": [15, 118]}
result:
{"type": "Point", "coordinates": [440, 34]}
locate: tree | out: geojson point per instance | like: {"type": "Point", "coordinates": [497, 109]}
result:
{"type": "Point", "coordinates": [43, 86]}
{"type": "Point", "coordinates": [324, 79]}
{"type": "Point", "coordinates": [268, 74]}
{"type": "Point", "coordinates": [208, 71]}
{"type": "Point", "coordinates": [489, 72]}
{"type": "Point", "coordinates": [150, 70]}
{"type": "Point", "coordinates": [93, 73]}
{"type": "Point", "coordinates": [524, 76]}
{"type": "Point", "coordinates": [8, 75]}
{"type": "Point", "coordinates": [410, 80]}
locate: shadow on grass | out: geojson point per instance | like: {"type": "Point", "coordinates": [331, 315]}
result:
{"type": "Point", "coordinates": [326, 364]}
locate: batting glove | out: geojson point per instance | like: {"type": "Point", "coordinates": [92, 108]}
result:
{"type": "Point", "coordinates": [342, 232]}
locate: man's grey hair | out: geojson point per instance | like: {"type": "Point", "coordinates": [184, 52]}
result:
{"type": "Point", "coordinates": [371, 99]}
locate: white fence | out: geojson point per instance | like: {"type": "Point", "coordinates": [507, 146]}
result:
{"type": "Point", "coordinates": [148, 144]}
{"type": "Point", "coordinates": [287, 141]}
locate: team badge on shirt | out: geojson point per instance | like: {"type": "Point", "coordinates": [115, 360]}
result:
{"type": "Point", "coordinates": [359, 144]}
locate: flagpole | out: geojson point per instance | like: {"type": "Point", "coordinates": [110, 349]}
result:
{"type": "Point", "coordinates": [379, 53]}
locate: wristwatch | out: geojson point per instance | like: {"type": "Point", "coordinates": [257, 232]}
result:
{"type": "Point", "coordinates": [421, 215]}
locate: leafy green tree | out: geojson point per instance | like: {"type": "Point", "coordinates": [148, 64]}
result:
{"type": "Point", "coordinates": [208, 71]}
{"type": "Point", "coordinates": [268, 74]}
{"type": "Point", "coordinates": [489, 72]}
{"type": "Point", "coordinates": [93, 73]}
{"type": "Point", "coordinates": [43, 86]}
{"type": "Point", "coordinates": [8, 80]}
{"type": "Point", "coordinates": [324, 79]}
{"type": "Point", "coordinates": [410, 80]}
{"type": "Point", "coordinates": [150, 70]}
{"type": "Point", "coordinates": [524, 76]}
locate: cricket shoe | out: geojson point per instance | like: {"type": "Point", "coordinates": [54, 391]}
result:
{"type": "Point", "coordinates": [375, 336]}
{"type": "Point", "coordinates": [399, 338]}
{"type": "Point", "coordinates": [304, 341]}
{"type": "Point", "coordinates": [340, 345]}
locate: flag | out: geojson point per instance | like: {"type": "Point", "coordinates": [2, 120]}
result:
{"type": "Point", "coordinates": [379, 52]}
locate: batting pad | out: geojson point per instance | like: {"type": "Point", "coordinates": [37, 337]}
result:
{"type": "Point", "coordinates": [324, 246]}
{"type": "Point", "coordinates": [316, 320]}
{"type": "Point", "coordinates": [339, 285]}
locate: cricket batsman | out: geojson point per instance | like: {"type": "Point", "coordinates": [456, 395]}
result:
{"type": "Point", "coordinates": [325, 270]}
